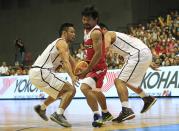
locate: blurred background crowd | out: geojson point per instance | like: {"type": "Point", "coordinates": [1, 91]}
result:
{"type": "Point", "coordinates": [161, 35]}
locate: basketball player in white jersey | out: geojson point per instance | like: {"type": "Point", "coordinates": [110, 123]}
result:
{"type": "Point", "coordinates": [137, 58]}
{"type": "Point", "coordinates": [42, 75]}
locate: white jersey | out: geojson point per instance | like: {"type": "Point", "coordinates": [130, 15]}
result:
{"type": "Point", "coordinates": [49, 58]}
{"type": "Point", "coordinates": [127, 45]}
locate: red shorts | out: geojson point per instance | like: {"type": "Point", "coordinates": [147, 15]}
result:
{"type": "Point", "coordinates": [98, 76]}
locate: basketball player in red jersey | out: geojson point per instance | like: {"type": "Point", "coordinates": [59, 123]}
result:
{"type": "Point", "coordinates": [95, 56]}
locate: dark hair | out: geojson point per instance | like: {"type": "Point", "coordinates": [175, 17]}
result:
{"type": "Point", "coordinates": [102, 25]}
{"type": "Point", "coordinates": [64, 27]}
{"type": "Point", "coordinates": [90, 11]}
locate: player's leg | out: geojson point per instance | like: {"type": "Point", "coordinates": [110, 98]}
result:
{"type": "Point", "coordinates": [137, 77]}
{"type": "Point", "coordinates": [147, 99]}
{"type": "Point", "coordinates": [99, 77]}
{"type": "Point", "coordinates": [54, 87]}
{"type": "Point", "coordinates": [86, 88]}
{"type": "Point", "coordinates": [90, 97]}
{"type": "Point", "coordinates": [66, 94]}
{"type": "Point", "coordinates": [35, 78]}
{"type": "Point", "coordinates": [106, 115]}
{"type": "Point", "coordinates": [41, 109]}
{"type": "Point", "coordinates": [122, 91]}
{"type": "Point", "coordinates": [132, 72]}
{"type": "Point", "coordinates": [126, 74]}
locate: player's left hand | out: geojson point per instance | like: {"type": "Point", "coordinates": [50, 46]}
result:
{"type": "Point", "coordinates": [83, 73]}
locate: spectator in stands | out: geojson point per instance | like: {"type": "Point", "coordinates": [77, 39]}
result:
{"type": "Point", "coordinates": [12, 72]}
{"type": "Point", "coordinates": [28, 58]}
{"type": "Point", "coordinates": [121, 61]}
{"type": "Point", "coordinates": [21, 70]}
{"type": "Point", "coordinates": [108, 59]}
{"type": "Point", "coordinates": [4, 69]}
{"type": "Point", "coordinates": [177, 59]}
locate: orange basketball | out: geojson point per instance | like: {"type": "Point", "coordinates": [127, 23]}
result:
{"type": "Point", "coordinates": [80, 66]}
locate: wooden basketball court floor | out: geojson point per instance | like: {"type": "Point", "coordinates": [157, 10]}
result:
{"type": "Point", "coordinates": [18, 115]}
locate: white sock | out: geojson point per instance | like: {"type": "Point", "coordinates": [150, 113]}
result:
{"type": "Point", "coordinates": [60, 111]}
{"type": "Point", "coordinates": [142, 94]}
{"type": "Point", "coordinates": [43, 107]}
{"type": "Point", "coordinates": [125, 104]}
{"type": "Point", "coordinates": [105, 111]}
{"type": "Point", "coordinates": [96, 112]}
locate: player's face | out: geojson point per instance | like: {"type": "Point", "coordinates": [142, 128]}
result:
{"type": "Point", "coordinates": [71, 34]}
{"type": "Point", "coordinates": [88, 22]}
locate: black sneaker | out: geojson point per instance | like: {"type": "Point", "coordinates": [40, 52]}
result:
{"type": "Point", "coordinates": [60, 119]}
{"type": "Point", "coordinates": [107, 116]}
{"type": "Point", "coordinates": [41, 113]}
{"type": "Point", "coordinates": [148, 102]}
{"type": "Point", "coordinates": [98, 122]}
{"type": "Point", "coordinates": [126, 114]}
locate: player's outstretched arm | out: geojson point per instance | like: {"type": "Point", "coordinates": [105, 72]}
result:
{"type": "Point", "coordinates": [64, 52]}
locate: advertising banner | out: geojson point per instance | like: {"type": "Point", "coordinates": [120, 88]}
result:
{"type": "Point", "coordinates": [158, 83]}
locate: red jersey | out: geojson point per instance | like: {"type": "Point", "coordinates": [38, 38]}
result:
{"type": "Point", "coordinates": [89, 51]}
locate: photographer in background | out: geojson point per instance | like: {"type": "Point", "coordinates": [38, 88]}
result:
{"type": "Point", "coordinates": [19, 51]}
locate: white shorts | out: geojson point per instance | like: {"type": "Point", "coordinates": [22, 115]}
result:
{"type": "Point", "coordinates": [91, 83]}
{"type": "Point", "coordinates": [46, 81]}
{"type": "Point", "coordinates": [135, 68]}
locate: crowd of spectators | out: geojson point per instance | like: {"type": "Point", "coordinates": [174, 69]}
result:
{"type": "Point", "coordinates": [161, 35]}
{"type": "Point", "coordinates": [17, 69]}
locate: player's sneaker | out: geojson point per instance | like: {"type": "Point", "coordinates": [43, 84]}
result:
{"type": "Point", "coordinates": [107, 116]}
{"type": "Point", "coordinates": [148, 102]}
{"type": "Point", "coordinates": [125, 114]}
{"type": "Point", "coordinates": [98, 122]}
{"type": "Point", "coordinates": [41, 113]}
{"type": "Point", "coordinates": [60, 119]}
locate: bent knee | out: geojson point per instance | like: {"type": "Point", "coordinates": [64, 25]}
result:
{"type": "Point", "coordinates": [69, 87]}
{"type": "Point", "coordinates": [84, 88]}
{"type": "Point", "coordinates": [72, 89]}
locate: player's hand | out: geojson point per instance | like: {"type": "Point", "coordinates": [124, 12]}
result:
{"type": "Point", "coordinates": [154, 66]}
{"type": "Point", "coordinates": [83, 73]}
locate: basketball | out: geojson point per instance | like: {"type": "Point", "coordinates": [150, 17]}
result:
{"type": "Point", "coordinates": [80, 66]}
